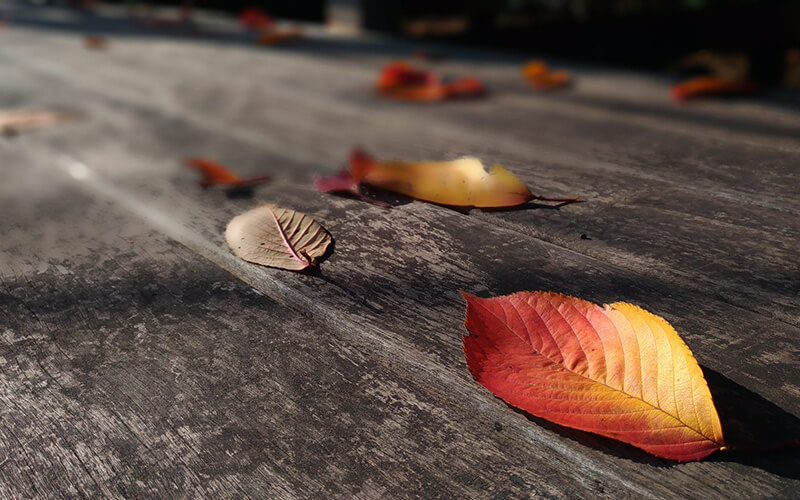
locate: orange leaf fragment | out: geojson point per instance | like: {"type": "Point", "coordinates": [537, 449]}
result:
{"type": "Point", "coordinates": [400, 80]}
{"type": "Point", "coordinates": [616, 370]}
{"type": "Point", "coordinates": [275, 36]}
{"type": "Point", "coordinates": [95, 42]}
{"type": "Point", "coordinates": [712, 86]}
{"type": "Point", "coordinates": [215, 174]}
{"type": "Point", "coordinates": [539, 75]}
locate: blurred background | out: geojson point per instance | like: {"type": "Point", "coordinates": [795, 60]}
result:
{"type": "Point", "coordinates": [760, 37]}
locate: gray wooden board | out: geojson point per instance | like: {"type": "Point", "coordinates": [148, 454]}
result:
{"type": "Point", "coordinates": [360, 367]}
{"type": "Point", "coordinates": [204, 105]}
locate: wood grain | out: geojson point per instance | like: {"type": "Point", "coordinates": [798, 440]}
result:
{"type": "Point", "coordinates": [140, 358]}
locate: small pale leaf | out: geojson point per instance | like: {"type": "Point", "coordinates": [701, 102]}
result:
{"type": "Point", "coordinates": [277, 237]}
{"type": "Point", "coordinates": [18, 120]}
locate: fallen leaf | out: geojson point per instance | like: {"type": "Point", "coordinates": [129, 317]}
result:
{"type": "Point", "coordinates": [400, 80]}
{"type": "Point", "coordinates": [539, 75]}
{"type": "Point", "coordinates": [255, 19]}
{"type": "Point", "coordinates": [617, 370]}
{"type": "Point", "coordinates": [703, 86]}
{"type": "Point", "coordinates": [276, 36]}
{"type": "Point", "coordinates": [462, 183]}
{"type": "Point", "coordinates": [277, 237]}
{"type": "Point", "coordinates": [20, 120]}
{"type": "Point", "coordinates": [343, 183]}
{"type": "Point", "coordinates": [95, 42]}
{"type": "Point", "coordinates": [215, 174]}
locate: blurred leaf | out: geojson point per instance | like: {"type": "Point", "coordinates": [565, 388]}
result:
{"type": "Point", "coordinates": [399, 80]}
{"type": "Point", "coordinates": [215, 174]}
{"type": "Point", "coordinates": [540, 77]}
{"type": "Point", "coordinates": [255, 19]}
{"type": "Point", "coordinates": [705, 86]}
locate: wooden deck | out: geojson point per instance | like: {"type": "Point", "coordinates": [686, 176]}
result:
{"type": "Point", "coordinates": [139, 358]}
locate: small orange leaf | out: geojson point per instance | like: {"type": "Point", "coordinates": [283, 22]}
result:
{"type": "Point", "coordinates": [215, 174]}
{"type": "Point", "coordinates": [539, 75]}
{"type": "Point", "coordinates": [712, 86]}
{"type": "Point", "coordinates": [400, 80]}
{"type": "Point", "coordinates": [617, 370]}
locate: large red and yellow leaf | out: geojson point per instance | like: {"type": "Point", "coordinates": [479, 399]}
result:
{"type": "Point", "coordinates": [617, 370]}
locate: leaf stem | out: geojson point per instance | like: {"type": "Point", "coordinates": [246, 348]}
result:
{"type": "Point", "coordinates": [286, 241]}
{"type": "Point", "coordinates": [560, 200]}
{"type": "Point", "coordinates": [786, 444]}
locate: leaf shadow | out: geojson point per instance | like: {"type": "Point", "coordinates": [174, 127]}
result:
{"type": "Point", "coordinates": [748, 420]}
{"type": "Point", "coordinates": [240, 193]}
{"type": "Point", "coordinates": [389, 197]}
{"type": "Point", "coordinates": [751, 421]}
{"type": "Point", "coordinates": [532, 205]}
{"type": "Point", "coordinates": [317, 272]}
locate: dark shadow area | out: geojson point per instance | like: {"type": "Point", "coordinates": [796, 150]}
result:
{"type": "Point", "coordinates": [748, 421]}
{"type": "Point", "coordinates": [685, 112]}
{"type": "Point", "coordinates": [633, 33]}
{"type": "Point", "coordinates": [88, 23]}
{"type": "Point", "coordinates": [383, 196]}
{"type": "Point", "coordinates": [751, 421]}
{"type": "Point", "coordinates": [532, 205]}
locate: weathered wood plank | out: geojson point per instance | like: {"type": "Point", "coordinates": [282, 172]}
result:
{"type": "Point", "coordinates": [401, 413]}
{"type": "Point", "coordinates": [133, 367]}
{"type": "Point", "coordinates": [401, 299]}
{"type": "Point", "coordinates": [755, 280]}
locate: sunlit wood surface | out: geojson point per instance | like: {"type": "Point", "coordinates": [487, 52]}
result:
{"type": "Point", "coordinates": [140, 358]}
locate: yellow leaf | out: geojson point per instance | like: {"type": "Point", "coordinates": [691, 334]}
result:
{"type": "Point", "coordinates": [463, 182]}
